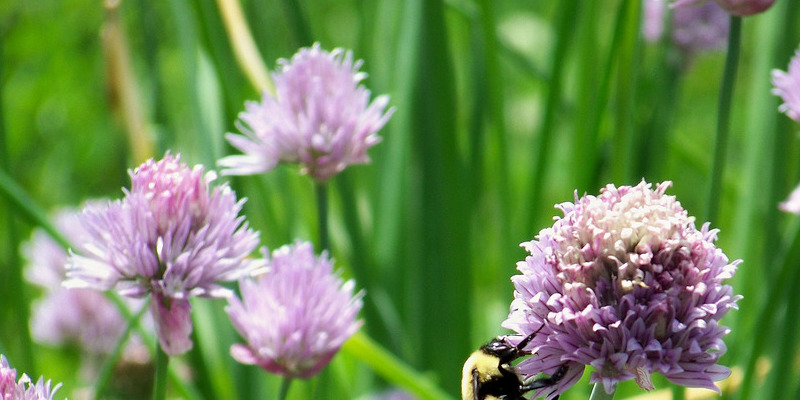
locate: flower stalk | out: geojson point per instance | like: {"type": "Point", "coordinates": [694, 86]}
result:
{"type": "Point", "coordinates": [284, 389]}
{"type": "Point", "coordinates": [598, 393]}
{"type": "Point", "coordinates": [104, 377]}
{"type": "Point", "coordinates": [321, 192]}
{"type": "Point", "coordinates": [160, 382]}
{"type": "Point", "coordinates": [244, 46]}
{"type": "Point", "coordinates": [723, 119]}
{"type": "Point", "coordinates": [392, 368]}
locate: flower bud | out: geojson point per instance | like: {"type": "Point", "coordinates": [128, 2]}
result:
{"type": "Point", "coordinates": [744, 8]}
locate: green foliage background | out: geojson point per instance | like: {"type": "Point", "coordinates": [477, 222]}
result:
{"type": "Point", "coordinates": [503, 109]}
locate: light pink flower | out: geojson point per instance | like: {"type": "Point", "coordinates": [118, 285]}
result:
{"type": "Point", "coordinates": [787, 86]}
{"type": "Point", "coordinates": [24, 388]}
{"type": "Point", "coordinates": [626, 284]}
{"type": "Point", "coordinates": [173, 236]}
{"type": "Point", "coordinates": [320, 118]}
{"type": "Point", "coordinates": [296, 316]}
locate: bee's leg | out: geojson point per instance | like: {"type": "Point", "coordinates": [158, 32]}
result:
{"type": "Point", "coordinates": [545, 382]}
{"type": "Point", "coordinates": [520, 348]}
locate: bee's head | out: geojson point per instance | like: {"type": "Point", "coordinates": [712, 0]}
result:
{"type": "Point", "coordinates": [501, 349]}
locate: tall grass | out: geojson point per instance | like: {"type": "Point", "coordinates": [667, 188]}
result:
{"type": "Point", "coordinates": [503, 109]}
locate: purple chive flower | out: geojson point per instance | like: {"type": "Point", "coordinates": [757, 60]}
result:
{"type": "Point", "coordinates": [742, 8]}
{"type": "Point", "coordinates": [296, 316]}
{"type": "Point", "coordinates": [81, 317]}
{"type": "Point", "coordinates": [694, 29]}
{"type": "Point", "coordinates": [24, 389]}
{"type": "Point", "coordinates": [792, 204]}
{"type": "Point", "coordinates": [172, 236]}
{"type": "Point", "coordinates": [624, 283]}
{"type": "Point", "coordinates": [320, 117]}
{"type": "Point", "coordinates": [653, 19]}
{"type": "Point", "coordinates": [787, 86]}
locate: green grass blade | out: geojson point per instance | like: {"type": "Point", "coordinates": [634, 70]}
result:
{"type": "Point", "coordinates": [568, 11]}
{"type": "Point", "coordinates": [392, 369]}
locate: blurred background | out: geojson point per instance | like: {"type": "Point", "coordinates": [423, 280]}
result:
{"type": "Point", "coordinates": [503, 109]}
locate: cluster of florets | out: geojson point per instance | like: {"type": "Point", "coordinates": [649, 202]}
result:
{"type": "Point", "coordinates": [320, 118]}
{"type": "Point", "coordinates": [295, 317]}
{"type": "Point", "coordinates": [84, 318]}
{"type": "Point", "coordinates": [173, 237]}
{"type": "Point", "coordinates": [693, 29]}
{"type": "Point", "coordinates": [787, 86]}
{"type": "Point", "coordinates": [625, 283]}
{"type": "Point", "coordinates": [24, 388]}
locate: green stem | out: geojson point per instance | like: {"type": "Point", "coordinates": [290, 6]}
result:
{"type": "Point", "coordinates": [160, 383]}
{"type": "Point", "coordinates": [186, 391]}
{"type": "Point", "coordinates": [284, 390]}
{"type": "Point", "coordinates": [14, 296]}
{"type": "Point", "coordinates": [298, 23]}
{"type": "Point", "coordinates": [598, 393]}
{"type": "Point", "coordinates": [392, 368]}
{"type": "Point", "coordinates": [108, 367]}
{"type": "Point", "coordinates": [723, 119]}
{"type": "Point", "coordinates": [678, 393]}
{"type": "Point", "coordinates": [321, 189]}
{"type": "Point", "coordinates": [787, 273]}
{"type": "Point", "coordinates": [23, 205]}
{"type": "Point", "coordinates": [567, 15]}
{"type": "Point", "coordinates": [626, 158]}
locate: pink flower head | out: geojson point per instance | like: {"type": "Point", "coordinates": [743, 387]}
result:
{"type": "Point", "coordinates": [792, 204]}
{"type": "Point", "coordinates": [624, 283]}
{"type": "Point", "coordinates": [742, 8]}
{"type": "Point", "coordinates": [24, 389]}
{"type": "Point", "coordinates": [694, 29]}
{"type": "Point", "coordinates": [172, 236]}
{"type": "Point", "coordinates": [81, 317]}
{"type": "Point", "coordinates": [320, 118]}
{"type": "Point", "coordinates": [296, 316]}
{"type": "Point", "coordinates": [787, 86]}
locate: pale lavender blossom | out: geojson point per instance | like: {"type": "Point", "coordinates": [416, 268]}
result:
{"type": "Point", "coordinates": [653, 16]}
{"type": "Point", "coordinates": [742, 8]}
{"type": "Point", "coordinates": [693, 29]}
{"type": "Point", "coordinates": [792, 204]}
{"type": "Point", "coordinates": [24, 388]}
{"type": "Point", "coordinates": [81, 317]}
{"type": "Point", "coordinates": [320, 117]}
{"type": "Point", "coordinates": [625, 283]}
{"type": "Point", "coordinates": [787, 86]}
{"type": "Point", "coordinates": [172, 236]}
{"type": "Point", "coordinates": [296, 316]}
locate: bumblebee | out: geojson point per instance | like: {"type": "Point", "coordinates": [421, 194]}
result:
{"type": "Point", "coordinates": [489, 375]}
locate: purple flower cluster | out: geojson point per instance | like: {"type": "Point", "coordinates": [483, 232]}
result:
{"type": "Point", "coordinates": [625, 283]}
{"type": "Point", "coordinates": [171, 236]}
{"type": "Point", "coordinates": [24, 389]}
{"type": "Point", "coordinates": [787, 86]}
{"type": "Point", "coordinates": [296, 316]}
{"type": "Point", "coordinates": [694, 29]}
{"type": "Point", "coordinates": [81, 317]}
{"type": "Point", "coordinates": [320, 117]}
